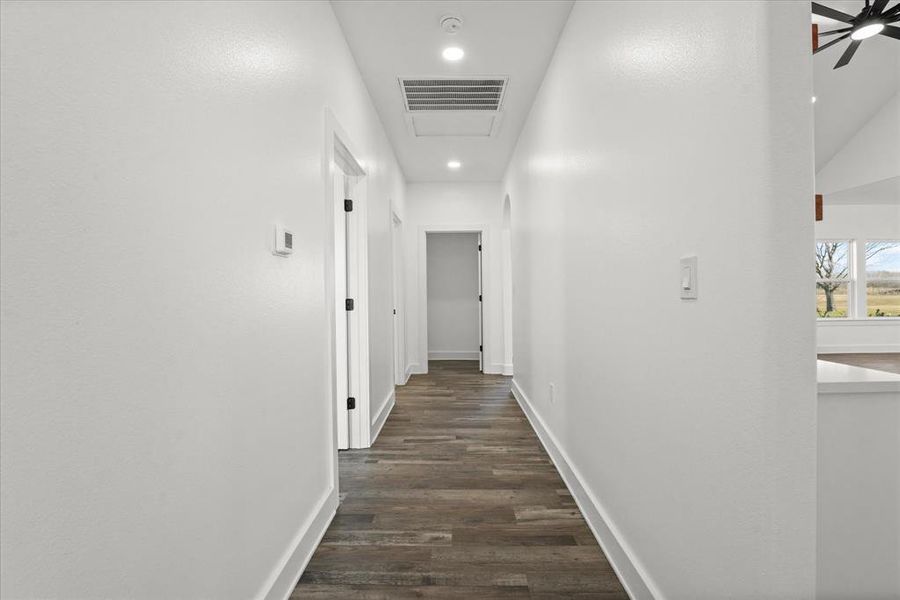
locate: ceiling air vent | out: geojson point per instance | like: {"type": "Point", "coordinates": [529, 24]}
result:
{"type": "Point", "coordinates": [453, 94]}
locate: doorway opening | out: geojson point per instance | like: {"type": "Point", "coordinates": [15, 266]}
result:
{"type": "Point", "coordinates": [454, 296]}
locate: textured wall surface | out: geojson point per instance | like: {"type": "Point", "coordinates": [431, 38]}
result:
{"type": "Point", "coordinates": [448, 205]}
{"type": "Point", "coordinates": [667, 129]}
{"type": "Point", "coordinates": [166, 426]}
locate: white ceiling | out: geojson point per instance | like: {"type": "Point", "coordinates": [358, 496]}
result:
{"type": "Point", "coordinates": [517, 39]}
{"type": "Point", "coordinates": [886, 191]}
{"type": "Point", "coordinates": [848, 97]}
{"type": "Point", "coordinates": [404, 39]}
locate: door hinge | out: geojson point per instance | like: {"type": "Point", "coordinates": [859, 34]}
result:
{"type": "Point", "coordinates": [348, 304]}
{"type": "Point", "coordinates": [479, 297]}
{"type": "Point", "coordinates": [481, 348]}
{"type": "Point", "coordinates": [348, 205]}
{"type": "Point", "coordinates": [351, 403]}
{"type": "Point", "coordinates": [479, 247]}
{"type": "Point", "coordinates": [395, 311]}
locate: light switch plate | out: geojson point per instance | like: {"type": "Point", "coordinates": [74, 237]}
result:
{"type": "Point", "coordinates": [688, 279]}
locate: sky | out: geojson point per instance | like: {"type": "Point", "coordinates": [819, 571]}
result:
{"type": "Point", "coordinates": [886, 260]}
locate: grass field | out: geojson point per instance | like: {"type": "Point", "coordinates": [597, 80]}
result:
{"type": "Point", "coordinates": [882, 302]}
{"type": "Point", "coordinates": [886, 302]}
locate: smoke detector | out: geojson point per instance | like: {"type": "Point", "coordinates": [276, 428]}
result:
{"type": "Point", "coordinates": [451, 24]}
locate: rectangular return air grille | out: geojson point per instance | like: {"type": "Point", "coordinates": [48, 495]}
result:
{"type": "Point", "coordinates": [453, 94]}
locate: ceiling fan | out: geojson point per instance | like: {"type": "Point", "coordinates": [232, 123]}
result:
{"type": "Point", "coordinates": [873, 19]}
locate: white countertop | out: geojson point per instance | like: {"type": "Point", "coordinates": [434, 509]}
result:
{"type": "Point", "coordinates": [836, 378]}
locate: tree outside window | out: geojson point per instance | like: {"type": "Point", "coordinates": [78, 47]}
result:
{"type": "Point", "coordinates": [833, 282]}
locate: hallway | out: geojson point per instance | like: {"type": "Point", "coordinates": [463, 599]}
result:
{"type": "Point", "coordinates": [456, 499]}
{"type": "Point", "coordinates": [368, 299]}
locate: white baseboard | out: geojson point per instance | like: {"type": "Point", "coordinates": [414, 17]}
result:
{"type": "Point", "coordinates": [284, 577]}
{"type": "Point", "coordinates": [453, 355]}
{"type": "Point", "coordinates": [407, 373]}
{"type": "Point", "coordinates": [631, 573]}
{"type": "Point", "coordinates": [858, 349]}
{"type": "Point", "coordinates": [417, 369]}
{"type": "Point", "coordinates": [498, 369]}
{"type": "Point", "coordinates": [382, 416]}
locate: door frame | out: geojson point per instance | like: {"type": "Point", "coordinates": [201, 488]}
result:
{"type": "Point", "coordinates": [340, 156]}
{"type": "Point", "coordinates": [486, 299]}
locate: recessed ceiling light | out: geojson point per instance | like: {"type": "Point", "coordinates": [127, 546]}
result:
{"type": "Point", "coordinates": [813, 99]}
{"type": "Point", "coordinates": [453, 53]}
{"type": "Point", "coordinates": [454, 164]}
{"type": "Point", "coordinates": [867, 31]}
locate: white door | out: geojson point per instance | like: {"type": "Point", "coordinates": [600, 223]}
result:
{"type": "Point", "coordinates": [396, 247]}
{"type": "Point", "coordinates": [347, 298]}
{"type": "Point", "coordinates": [480, 311]}
{"type": "Point", "coordinates": [341, 348]}
{"type": "Point", "coordinates": [354, 297]}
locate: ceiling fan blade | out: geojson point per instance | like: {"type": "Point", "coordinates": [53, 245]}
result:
{"type": "Point", "coordinates": [894, 10]}
{"type": "Point", "coordinates": [848, 53]}
{"type": "Point", "coordinates": [834, 31]}
{"type": "Point", "coordinates": [824, 11]}
{"type": "Point", "coordinates": [891, 31]}
{"type": "Point", "coordinates": [877, 7]}
{"type": "Point", "coordinates": [831, 43]}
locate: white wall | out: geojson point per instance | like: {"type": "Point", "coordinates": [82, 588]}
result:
{"type": "Point", "coordinates": [859, 495]}
{"type": "Point", "coordinates": [167, 429]}
{"type": "Point", "coordinates": [859, 222]}
{"type": "Point", "coordinates": [449, 206]}
{"type": "Point", "coordinates": [666, 129]}
{"type": "Point", "coordinates": [453, 328]}
{"type": "Point", "coordinates": [873, 154]}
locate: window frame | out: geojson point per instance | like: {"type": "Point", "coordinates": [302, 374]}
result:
{"type": "Point", "coordinates": [864, 282]}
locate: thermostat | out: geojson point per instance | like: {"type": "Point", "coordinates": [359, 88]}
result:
{"type": "Point", "coordinates": [284, 241]}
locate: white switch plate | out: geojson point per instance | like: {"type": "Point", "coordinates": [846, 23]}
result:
{"type": "Point", "coordinates": [688, 279]}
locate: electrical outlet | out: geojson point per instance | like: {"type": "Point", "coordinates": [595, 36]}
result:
{"type": "Point", "coordinates": [552, 393]}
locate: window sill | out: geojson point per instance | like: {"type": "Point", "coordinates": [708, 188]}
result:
{"type": "Point", "coordinates": [859, 322]}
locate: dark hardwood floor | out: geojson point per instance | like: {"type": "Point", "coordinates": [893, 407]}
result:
{"type": "Point", "coordinates": [884, 361]}
{"type": "Point", "coordinates": [456, 499]}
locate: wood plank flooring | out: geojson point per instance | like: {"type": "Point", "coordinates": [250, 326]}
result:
{"type": "Point", "coordinates": [881, 361]}
{"type": "Point", "coordinates": [457, 499]}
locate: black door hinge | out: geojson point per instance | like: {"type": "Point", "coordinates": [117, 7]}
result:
{"type": "Point", "coordinates": [479, 247]}
{"type": "Point", "coordinates": [348, 205]}
{"type": "Point", "coordinates": [481, 348]}
{"type": "Point", "coordinates": [479, 297]}
{"type": "Point", "coordinates": [351, 403]}
{"type": "Point", "coordinates": [348, 304]}
{"type": "Point", "coordinates": [395, 311]}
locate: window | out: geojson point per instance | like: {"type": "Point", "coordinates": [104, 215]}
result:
{"type": "Point", "coordinates": [834, 284]}
{"type": "Point", "coordinates": [883, 279]}
{"type": "Point", "coordinates": [857, 279]}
